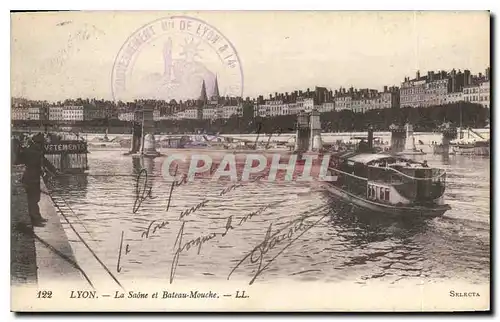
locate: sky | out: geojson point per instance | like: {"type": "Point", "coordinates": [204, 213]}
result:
{"type": "Point", "coordinates": [55, 56]}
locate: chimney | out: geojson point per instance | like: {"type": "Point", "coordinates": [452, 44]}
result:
{"type": "Point", "coordinates": [467, 77]}
{"type": "Point", "coordinates": [418, 74]}
{"type": "Point", "coordinates": [385, 89]}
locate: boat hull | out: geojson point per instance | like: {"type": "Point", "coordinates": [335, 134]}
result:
{"type": "Point", "coordinates": [474, 150]}
{"type": "Point", "coordinates": [365, 205]}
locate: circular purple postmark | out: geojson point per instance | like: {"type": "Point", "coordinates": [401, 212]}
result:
{"type": "Point", "coordinates": [171, 57]}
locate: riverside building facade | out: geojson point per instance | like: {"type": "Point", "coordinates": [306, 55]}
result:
{"type": "Point", "coordinates": [431, 89]}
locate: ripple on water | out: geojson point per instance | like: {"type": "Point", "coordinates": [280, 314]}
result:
{"type": "Point", "coordinates": [340, 247]}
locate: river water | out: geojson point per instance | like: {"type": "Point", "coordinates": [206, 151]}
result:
{"type": "Point", "coordinates": [317, 239]}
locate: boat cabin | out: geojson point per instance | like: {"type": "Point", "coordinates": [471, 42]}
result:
{"type": "Point", "coordinates": [388, 179]}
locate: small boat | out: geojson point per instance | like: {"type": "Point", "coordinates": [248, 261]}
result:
{"type": "Point", "coordinates": [387, 184]}
{"type": "Point", "coordinates": [474, 144]}
{"type": "Point", "coordinates": [104, 143]}
{"type": "Point", "coordinates": [471, 147]}
{"type": "Point", "coordinates": [97, 143]}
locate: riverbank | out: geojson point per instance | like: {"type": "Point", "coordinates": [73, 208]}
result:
{"type": "Point", "coordinates": [55, 258]}
{"type": "Point", "coordinates": [22, 244]}
{"type": "Point", "coordinates": [42, 254]}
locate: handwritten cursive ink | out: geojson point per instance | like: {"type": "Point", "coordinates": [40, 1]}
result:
{"type": "Point", "coordinates": [142, 193]}
{"type": "Point", "coordinates": [237, 185]}
{"type": "Point", "coordinates": [228, 189]}
{"type": "Point", "coordinates": [156, 225]}
{"type": "Point", "coordinates": [153, 226]}
{"type": "Point", "coordinates": [199, 241]}
{"type": "Point", "coordinates": [127, 250]}
{"type": "Point", "coordinates": [258, 211]}
{"type": "Point", "coordinates": [228, 225]}
{"type": "Point", "coordinates": [271, 240]}
{"type": "Point", "coordinates": [176, 183]}
{"type": "Point", "coordinates": [118, 267]}
{"type": "Point", "coordinates": [193, 209]}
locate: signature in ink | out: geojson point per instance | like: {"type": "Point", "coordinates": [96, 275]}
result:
{"type": "Point", "coordinates": [142, 192]}
{"type": "Point", "coordinates": [199, 241]}
{"type": "Point", "coordinates": [291, 232]}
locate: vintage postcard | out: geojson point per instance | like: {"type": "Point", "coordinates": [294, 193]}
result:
{"type": "Point", "coordinates": [250, 161]}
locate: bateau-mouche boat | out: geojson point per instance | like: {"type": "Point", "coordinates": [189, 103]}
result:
{"type": "Point", "coordinates": [387, 184]}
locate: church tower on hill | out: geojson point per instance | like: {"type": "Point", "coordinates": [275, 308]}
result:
{"type": "Point", "coordinates": [215, 95]}
{"type": "Point", "coordinates": [203, 94]}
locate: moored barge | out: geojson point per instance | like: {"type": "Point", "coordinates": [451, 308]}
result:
{"type": "Point", "coordinates": [67, 154]}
